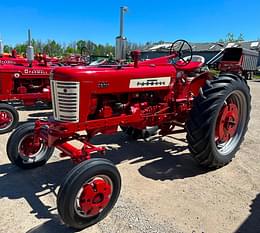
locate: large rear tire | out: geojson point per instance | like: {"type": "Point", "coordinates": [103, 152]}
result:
{"type": "Point", "coordinates": [218, 120]}
{"type": "Point", "coordinates": [88, 193]}
{"type": "Point", "coordinates": [8, 118]}
{"type": "Point", "coordinates": [21, 151]}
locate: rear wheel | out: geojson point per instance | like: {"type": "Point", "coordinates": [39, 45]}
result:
{"type": "Point", "coordinates": [21, 150]}
{"type": "Point", "coordinates": [88, 193]}
{"type": "Point", "coordinates": [218, 120]}
{"type": "Point", "coordinates": [8, 118]}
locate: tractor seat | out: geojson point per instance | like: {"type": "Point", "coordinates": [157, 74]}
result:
{"type": "Point", "coordinates": [196, 63]}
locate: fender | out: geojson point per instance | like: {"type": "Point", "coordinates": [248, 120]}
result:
{"type": "Point", "coordinates": [199, 82]}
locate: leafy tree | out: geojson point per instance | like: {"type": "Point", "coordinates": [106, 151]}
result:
{"type": "Point", "coordinates": [7, 49]}
{"type": "Point", "coordinates": [53, 48]}
{"type": "Point", "coordinates": [241, 37]}
{"type": "Point", "coordinates": [38, 46]}
{"type": "Point", "coordinates": [69, 50]}
{"type": "Point", "coordinates": [91, 46]}
{"type": "Point", "coordinates": [80, 44]}
{"type": "Point", "coordinates": [21, 48]}
{"type": "Point", "coordinates": [109, 49]}
{"type": "Point", "coordinates": [230, 37]}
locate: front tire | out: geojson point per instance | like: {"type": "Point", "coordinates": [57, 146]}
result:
{"type": "Point", "coordinates": [88, 193]}
{"type": "Point", "coordinates": [21, 151]}
{"type": "Point", "coordinates": [8, 118]}
{"type": "Point", "coordinates": [218, 120]}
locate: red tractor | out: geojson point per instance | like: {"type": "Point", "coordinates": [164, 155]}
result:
{"type": "Point", "coordinates": [21, 83]}
{"type": "Point", "coordinates": [143, 98]}
{"type": "Point", "coordinates": [24, 79]}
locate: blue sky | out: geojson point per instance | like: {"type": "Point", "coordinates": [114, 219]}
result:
{"type": "Point", "coordinates": [151, 20]}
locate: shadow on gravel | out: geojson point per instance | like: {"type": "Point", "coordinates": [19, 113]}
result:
{"type": "Point", "coordinates": [252, 223]}
{"type": "Point", "coordinates": [160, 160]}
{"type": "Point", "coordinates": [163, 160]}
{"type": "Point", "coordinates": [32, 185]}
{"type": "Point", "coordinates": [52, 226]}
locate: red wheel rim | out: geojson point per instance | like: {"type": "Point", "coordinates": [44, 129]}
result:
{"type": "Point", "coordinates": [94, 196]}
{"type": "Point", "coordinates": [27, 148]}
{"type": "Point", "coordinates": [6, 119]}
{"type": "Point", "coordinates": [227, 123]}
{"type": "Point", "coordinates": [231, 123]}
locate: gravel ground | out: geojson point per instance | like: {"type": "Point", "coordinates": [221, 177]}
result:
{"type": "Point", "coordinates": [163, 189]}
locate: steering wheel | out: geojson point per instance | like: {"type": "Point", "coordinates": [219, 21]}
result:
{"type": "Point", "coordinates": [179, 47]}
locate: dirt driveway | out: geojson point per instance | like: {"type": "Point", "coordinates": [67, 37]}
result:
{"type": "Point", "coordinates": [163, 188]}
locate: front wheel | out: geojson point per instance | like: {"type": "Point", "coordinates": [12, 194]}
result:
{"type": "Point", "coordinates": [88, 193]}
{"type": "Point", "coordinates": [21, 150]}
{"type": "Point", "coordinates": [8, 118]}
{"type": "Point", "coordinates": [218, 120]}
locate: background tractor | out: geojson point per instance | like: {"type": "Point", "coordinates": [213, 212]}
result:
{"type": "Point", "coordinates": [24, 80]}
{"type": "Point", "coordinates": [144, 98]}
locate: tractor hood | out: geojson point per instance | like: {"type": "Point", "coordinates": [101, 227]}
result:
{"type": "Point", "coordinates": [112, 73]}
{"type": "Point", "coordinates": [117, 79]}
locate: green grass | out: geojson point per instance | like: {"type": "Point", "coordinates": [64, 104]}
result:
{"type": "Point", "coordinates": [257, 76]}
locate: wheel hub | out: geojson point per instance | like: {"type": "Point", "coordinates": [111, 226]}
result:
{"type": "Point", "coordinates": [227, 122]}
{"type": "Point", "coordinates": [5, 119]}
{"type": "Point", "coordinates": [28, 148]}
{"type": "Point", "coordinates": [95, 197]}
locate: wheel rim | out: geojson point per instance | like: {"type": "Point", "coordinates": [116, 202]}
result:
{"type": "Point", "coordinates": [6, 119]}
{"type": "Point", "coordinates": [94, 196]}
{"type": "Point", "coordinates": [29, 152]}
{"type": "Point", "coordinates": [231, 123]}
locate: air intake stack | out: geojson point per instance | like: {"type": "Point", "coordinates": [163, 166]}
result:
{"type": "Point", "coordinates": [121, 42]}
{"type": "Point", "coordinates": [30, 50]}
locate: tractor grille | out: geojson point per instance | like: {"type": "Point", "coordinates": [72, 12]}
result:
{"type": "Point", "coordinates": [65, 98]}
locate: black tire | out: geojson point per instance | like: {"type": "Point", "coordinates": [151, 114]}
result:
{"type": "Point", "coordinates": [13, 149]}
{"type": "Point", "coordinates": [11, 138]}
{"type": "Point", "coordinates": [13, 116]}
{"type": "Point", "coordinates": [73, 183]}
{"type": "Point", "coordinates": [203, 122]}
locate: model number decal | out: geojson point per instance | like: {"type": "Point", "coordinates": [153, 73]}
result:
{"type": "Point", "coordinates": [150, 82]}
{"type": "Point", "coordinates": [7, 62]}
{"type": "Point", "coordinates": [34, 71]}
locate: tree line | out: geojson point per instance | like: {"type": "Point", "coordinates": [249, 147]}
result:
{"type": "Point", "coordinates": [231, 37]}
{"type": "Point", "coordinates": [54, 48]}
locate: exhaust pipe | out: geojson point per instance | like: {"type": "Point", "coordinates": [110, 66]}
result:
{"type": "Point", "coordinates": [30, 50]}
{"type": "Point", "coordinates": [121, 41]}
